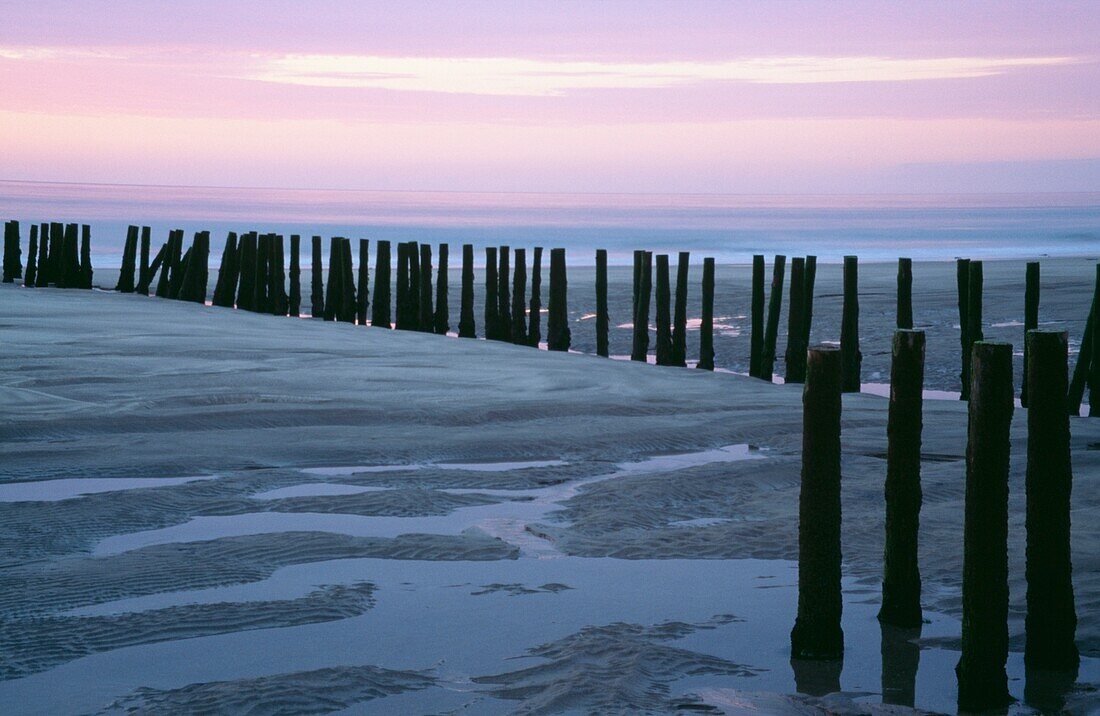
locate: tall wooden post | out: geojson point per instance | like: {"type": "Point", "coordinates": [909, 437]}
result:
{"type": "Point", "coordinates": [441, 322]}
{"type": "Point", "coordinates": [44, 276]}
{"type": "Point", "coordinates": [31, 275]}
{"type": "Point", "coordinates": [226, 285]}
{"type": "Point", "coordinates": [125, 282]}
{"type": "Point", "coordinates": [381, 311]}
{"type": "Point", "coordinates": [901, 584]}
{"type": "Point", "coordinates": [534, 313]}
{"type": "Point", "coordinates": [962, 282]}
{"type": "Point", "coordinates": [263, 270]}
{"type": "Point", "coordinates": [348, 302]}
{"type": "Point", "coordinates": [362, 292]}
{"type": "Point", "coordinates": [640, 351]}
{"type": "Point", "coordinates": [414, 286]}
{"type": "Point", "coordinates": [317, 281]}
{"type": "Point", "coordinates": [277, 276]}
{"type": "Point", "coordinates": [519, 298]}
{"type": "Point", "coordinates": [1083, 367]}
{"type": "Point", "coordinates": [294, 300]}
{"type": "Point", "coordinates": [466, 326]}
{"type": "Point", "coordinates": [333, 289]}
{"type": "Point", "coordinates": [401, 319]}
{"type": "Point", "coordinates": [706, 325]}
{"type": "Point", "coordinates": [1051, 620]}
{"type": "Point", "coordinates": [1094, 372]}
{"type": "Point", "coordinates": [603, 321]}
{"type": "Point", "coordinates": [775, 309]}
{"type": "Point", "coordinates": [492, 305]}
{"type": "Point", "coordinates": [247, 261]}
{"type": "Point", "coordinates": [144, 276]}
{"type": "Point", "coordinates": [850, 355]}
{"type": "Point", "coordinates": [808, 298]}
{"type": "Point", "coordinates": [817, 633]}
{"type": "Point", "coordinates": [13, 264]}
{"type": "Point", "coordinates": [557, 326]}
{"type": "Point", "coordinates": [795, 357]}
{"type": "Point", "coordinates": [663, 348]}
{"type": "Point", "coordinates": [1031, 319]}
{"type": "Point", "coordinates": [679, 317]}
{"type": "Point", "coordinates": [427, 314]}
{"type": "Point", "coordinates": [86, 256]}
{"type": "Point", "coordinates": [983, 683]}
{"type": "Point", "coordinates": [504, 296]}
{"type": "Point", "coordinates": [756, 335]}
{"type": "Point", "coordinates": [905, 293]}
{"type": "Point", "coordinates": [57, 243]}
{"type": "Point", "coordinates": [973, 310]}
{"type": "Point", "coordinates": [73, 273]}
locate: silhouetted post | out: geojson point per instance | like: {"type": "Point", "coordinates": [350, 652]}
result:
{"type": "Point", "coordinates": [905, 293]}
{"type": "Point", "coordinates": [350, 293]}
{"type": "Point", "coordinates": [317, 281]}
{"type": "Point", "coordinates": [983, 683]}
{"type": "Point", "coordinates": [756, 335]}
{"type": "Point", "coordinates": [442, 320]}
{"type": "Point", "coordinates": [679, 315]}
{"type": "Point", "coordinates": [1031, 319]}
{"type": "Point", "coordinates": [663, 347]}
{"type": "Point", "coordinates": [706, 326]}
{"type": "Point", "coordinates": [246, 289]}
{"type": "Point", "coordinates": [427, 314]}
{"type": "Point", "coordinates": [13, 264]}
{"type": "Point", "coordinates": [817, 633]}
{"type": "Point", "coordinates": [32, 259]}
{"type": "Point", "coordinates": [402, 318]}
{"type": "Point", "coordinates": [644, 289]}
{"type": "Point", "coordinates": [974, 306]}
{"type": "Point", "coordinates": [492, 306]}
{"type": "Point", "coordinates": [962, 282]}
{"type": "Point", "coordinates": [901, 574]}
{"type": "Point", "coordinates": [42, 279]}
{"type": "Point", "coordinates": [466, 325]}
{"type": "Point", "coordinates": [380, 312]}
{"type": "Point", "coordinates": [504, 297]}
{"type": "Point", "coordinates": [86, 256]}
{"type": "Point", "coordinates": [294, 303]}
{"type": "Point", "coordinates": [125, 282]}
{"type": "Point", "coordinates": [202, 268]}
{"type": "Point", "coordinates": [603, 321]}
{"type": "Point", "coordinates": [850, 354]}
{"type": "Point", "coordinates": [57, 242]}
{"type": "Point", "coordinates": [226, 286]}
{"type": "Point", "coordinates": [179, 265]}
{"type": "Point", "coordinates": [1085, 356]}
{"type": "Point", "coordinates": [71, 273]}
{"type": "Point", "coordinates": [900, 660]}
{"type": "Point", "coordinates": [362, 293]}
{"type": "Point", "coordinates": [276, 279]}
{"type": "Point", "coordinates": [557, 325]}
{"type": "Point", "coordinates": [144, 277]}
{"type": "Point", "coordinates": [156, 264]}
{"type": "Point", "coordinates": [263, 272]}
{"type": "Point", "coordinates": [1051, 618]}
{"type": "Point", "coordinates": [534, 314]}
{"type": "Point", "coordinates": [795, 357]}
{"type": "Point", "coordinates": [414, 286]}
{"type": "Point", "coordinates": [333, 289]}
{"type": "Point", "coordinates": [808, 298]}
{"type": "Point", "coordinates": [519, 299]}
{"type": "Point", "coordinates": [1094, 373]}
{"type": "Point", "coordinates": [775, 310]}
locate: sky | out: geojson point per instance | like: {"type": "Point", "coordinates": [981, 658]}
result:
{"type": "Point", "coordinates": [563, 96]}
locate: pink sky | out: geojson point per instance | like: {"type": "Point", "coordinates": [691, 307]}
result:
{"type": "Point", "coordinates": [556, 96]}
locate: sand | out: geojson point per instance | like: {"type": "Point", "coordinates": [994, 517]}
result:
{"type": "Point", "coordinates": [396, 522]}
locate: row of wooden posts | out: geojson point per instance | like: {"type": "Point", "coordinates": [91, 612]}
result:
{"type": "Point", "coordinates": [253, 276]}
{"type": "Point", "coordinates": [1051, 620]}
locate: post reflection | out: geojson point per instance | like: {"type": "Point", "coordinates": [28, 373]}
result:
{"type": "Point", "coordinates": [900, 660]}
{"type": "Point", "coordinates": [817, 677]}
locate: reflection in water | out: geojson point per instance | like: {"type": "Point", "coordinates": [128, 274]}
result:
{"type": "Point", "coordinates": [900, 659]}
{"type": "Point", "coordinates": [1046, 690]}
{"type": "Point", "coordinates": [817, 677]}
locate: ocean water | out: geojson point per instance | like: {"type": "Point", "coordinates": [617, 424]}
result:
{"type": "Point", "coordinates": [729, 228]}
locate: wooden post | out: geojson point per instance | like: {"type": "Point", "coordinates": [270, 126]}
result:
{"type": "Point", "coordinates": [71, 272]}
{"type": "Point", "coordinates": [402, 316]}
{"type": "Point", "coordinates": [262, 300]}
{"type": "Point", "coordinates": [333, 289]}
{"type": "Point", "coordinates": [1051, 618]}
{"type": "Point", "coordinates": [901, 575]}
{"type": "Point", "coordinates": [226, 286]}
{"type": "Point", "coordinates": [850, 354]}
{"type": "Point", "coordinates": [179, 263]}
{"type": "Point", "coordinates": [442, 318]}
{"type": "Point", "coordinates": [973, 310]}
{"type": "Point", "coordinates": [492, 305]}
{"type": "Point", "coordinates": [380, 312]}
{"type": "Point", "coordinates": [346, 308]}
{"type": "Point", "coordinates": [86, 256]}
{"type": "Point", "coordinates": [534, 314]}
{"type": "Point", "coordinates": [281, 303]}
{"type": "Point", "coordinates": [905, 293]}
{"type": "Point", "coordinates": [466, 325]}
{"type": "Point", "coordinates": [557, 325]}
{"type": "Point", "coordinates": [31, 275]}
{"type": "Point", "coordinates": [643, 293]}
{"type": "Point", "coordinates": [125, 282]}
{"type": "Point", "coordinates": [427, 314]}
{"type": "Point", "coordinates": [706, 326]}
{"type": "Point", "coordinates": [756, 335]}
{"type": "Point", "coordinates": [246, 261]}
{"type": "Point", "coordinates": [317, 281]}
{"type": "Point", "coordinates": [362, 293]}
{"type": "Point", "coordinates": [144, 277]}
{"type": "Point", "coordinates": [1094, 372]}
{"type": "Point", "coordinates": [1031, 319]}
{"type": "Point", "coordinates": [13, 265]}
{"type": "Point", "coordinates": [775, 308]}
{"type": "Point", "coordinates": [294, 304]}
{"type": "Point", "coordinates": [57, 242]}
{"type": "Point", "coordinates": [504, 296]}
{"type": "Point", "coordinates": [414, 286]}
{"type": "Point", "coordinates": [603, 321]}
{"type": "Point", "coordinates": [663, 347]}
{"type": "Point", "coordinates": [795, 358]}
{"type": "Point", "coordinates": [808, 298]}
{"type": "Point", "coordinates": [43, 278]}
{"type": "Point", "coordinates": [962, 283]}
{"type": "Point", "coordinates": [817, 633]}
{"type": "Point", "coordinates": [679, 316]}
{"type": "Point", "coordinates": [983, 683]}
{"type": "Point", "coordinates": [519, 298]}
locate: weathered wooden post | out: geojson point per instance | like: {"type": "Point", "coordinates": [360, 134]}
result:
{"type": "Point", "coordinates": [905, 294]}
{"type": "Point", "coordinates": [277, 277]}
{"type": "Point", "coordinates": [962, 283]}
{"type": "Point", "coordinates": [519, 298]}
{"type": "Point", "coordinates": [202, 268]}
{"type": "Point", "coordinates": [333, 290]}
{"type": "Point", "coordinates": [317, 281]}
{"type": "Point", "coordinates": [1031, 319]}
{"type": "Point", "coordinates": [179, 272]}
{"type": "Point", "coordinates": [973, 309]}
{"type": "Point", "coordinates": [294, 304]}
{"type": "Point", "coordinates": [144, 277]}
{"type": "Point", "coordinates": [603, 321]}
{"type": "Point", "coordinates": [86, 256]}
{"type": "Point", "coordinates": [1051, 620]}
{"type": "Point", "coordinates": [663, 347]}
{"type": "Point", "coordinates": [125, 282]}
{"type": "Point", "coordinates": [380, 313]}
{"type": "Point", "coordinates": [13, 263]}
{"type": "Point", "coordinates": [57, 243]}
{"type": "Point", "coordinates": [492, 305]}
{"type": "Point", "coordinates": [246, 290]}
{"type": "Point", "coordinates": [795, 358]}
{"type": "Point", "coordinates": [706, 326]}
{"type": "Point", "coordinates": [850, 355]}
{"type": "Point", "coordinates": [441, 322]}
{"type": "Point", "coordinates": [775, 309]}
{"type": "Point", "coordinates": [345, 300]}
{"type": "Point", "coordinates": [642, 293]}
{"type": "Point", "coordinates": [808, 298]}
{"type": "Point", "coordinates": [263, 288]}
{"type": "Point", "coordinates": [72, 276]}
{"type": "Point", "coordinates": [817, 633]}
{"type": "Point", "coordinates": [901, 584]}
{"type": "Point", "coordinates": [504, 296]}
{"type": "Point", "coordinates": [1094, 372]}
{"type": "Point", "coordinates": [679, 316]}
{"type": "Point", "coordinates": [362, 293]}
{"type": "Point", "coordinates": [402, 317]}
{"type": "Point", "coordinates": [756, 335]}
{"type": "Point", "coordinates": [983, 683]}
{"type": "Point", "coordinates": [534, 321]}
{"type": "Point", "coordinates": [31, 275]}
{"type": "Point", "coordinates": [1085, 356]}
{"type": "Point", "coordinates": [414, 286]}
{"type": "Point", "coordinates": [427, 313]}
{"type": "Point", "coordinates": [466, 325]}
{"type": "Point", "coordinates": [226, 286]}
{"type": "Point", "coordinates": [557, 325]}
{"type": "Point", "coordinates": [43, 278]}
